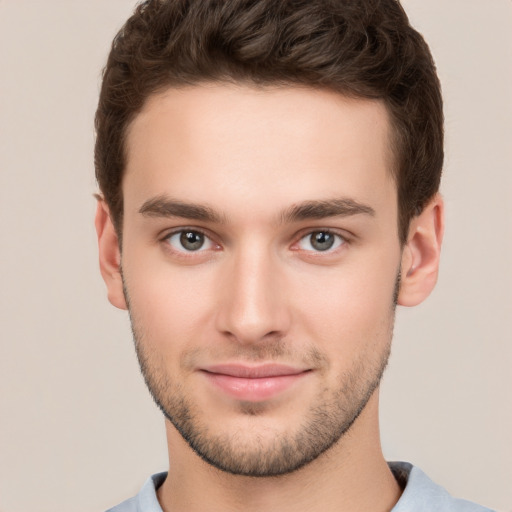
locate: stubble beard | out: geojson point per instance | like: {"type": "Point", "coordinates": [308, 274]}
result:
{"type": "Point", "coordinates": [327, 422]}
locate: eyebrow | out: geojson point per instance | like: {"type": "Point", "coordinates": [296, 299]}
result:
{"type": "Point", "coordinates": [344, 207]}
{"type": "Point", "coordinates": [163, 206]}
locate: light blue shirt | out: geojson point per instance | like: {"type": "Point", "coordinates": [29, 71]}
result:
{"type": "Point", "coordinates": [420, 494]}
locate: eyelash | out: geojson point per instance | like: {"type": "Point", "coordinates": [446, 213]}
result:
{"type": "Point", "coordinates": [340, 240]}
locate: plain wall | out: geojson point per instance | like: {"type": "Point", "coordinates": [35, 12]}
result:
{"type": "Point", "coordinates": [78, 430]}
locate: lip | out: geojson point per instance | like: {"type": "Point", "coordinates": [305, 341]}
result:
{"type": "Point", "coordinates": [253, 383]}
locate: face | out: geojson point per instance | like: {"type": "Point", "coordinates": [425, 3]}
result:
{"type": "Point", "coordinates": [260, 259]}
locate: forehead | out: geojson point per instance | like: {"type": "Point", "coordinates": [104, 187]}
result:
{"type": "Point", "coordinates": [236, 141]}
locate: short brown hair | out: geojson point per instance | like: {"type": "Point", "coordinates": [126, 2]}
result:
{"type": "Point", "coordinates": [363, 49]}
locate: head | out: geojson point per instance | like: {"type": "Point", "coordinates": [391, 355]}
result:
{"type": "Point", "coordinates": [272, 169]}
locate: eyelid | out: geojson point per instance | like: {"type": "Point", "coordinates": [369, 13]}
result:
{"type": "Point", "coordinates": [165, 234]}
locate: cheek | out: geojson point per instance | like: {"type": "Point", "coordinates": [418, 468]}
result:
{"type": "Point", "coordinates": [349, 307]}
{"type": "Point", "coordinates": [166, 303]}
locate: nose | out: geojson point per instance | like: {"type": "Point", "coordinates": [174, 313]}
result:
{"type": "Point", "coordinates": [253, 305]}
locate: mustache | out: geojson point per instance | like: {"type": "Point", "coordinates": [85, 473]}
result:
{"type": "Point", "coordinates": [264, 351]}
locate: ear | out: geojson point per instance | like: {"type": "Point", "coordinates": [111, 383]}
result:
{"type": "Point", "coordinates": [110, 255]}
{"type": "Point", "coordinates": [420, 256]}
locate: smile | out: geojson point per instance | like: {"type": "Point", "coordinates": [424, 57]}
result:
{"type": "Point", "coordinates": [254, 384]}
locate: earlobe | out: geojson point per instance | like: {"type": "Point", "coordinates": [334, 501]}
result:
{"type": "Point", "coordinates": [420, 256]}
{"type": "Point", "coordinates": [109, 255]}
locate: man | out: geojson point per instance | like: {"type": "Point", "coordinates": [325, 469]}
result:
{"type": "Point", "coordinates": [269, 177]}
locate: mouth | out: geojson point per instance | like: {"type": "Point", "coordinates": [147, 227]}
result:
{"type": "Point", "coordinates": [254, 383]}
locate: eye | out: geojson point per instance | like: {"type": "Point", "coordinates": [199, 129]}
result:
{"type": "Point", "coordinates": [189, 240]}
{"type": "Point", "coordinates": [321, 241]}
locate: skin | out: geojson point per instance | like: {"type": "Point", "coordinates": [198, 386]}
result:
{"type": "Point", "coordinates": [258, 292]}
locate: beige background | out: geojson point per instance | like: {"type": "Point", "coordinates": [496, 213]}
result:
{"type": "Point", "coordinates": [78, 431]}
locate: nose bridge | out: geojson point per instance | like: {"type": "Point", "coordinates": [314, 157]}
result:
{"type": "Point", "coordinates": [252, 305]}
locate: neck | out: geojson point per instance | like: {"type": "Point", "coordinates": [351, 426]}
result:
{"type": "Point", "coordinates": [351, 476]}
